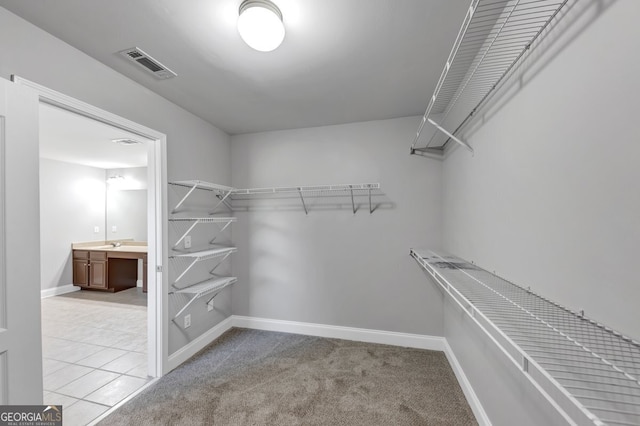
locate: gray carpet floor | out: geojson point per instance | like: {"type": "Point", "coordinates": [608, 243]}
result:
{"type": "Point", "coordinates": [250, 377]}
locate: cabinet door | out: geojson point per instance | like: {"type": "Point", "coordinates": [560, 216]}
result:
{"type": "Point", "coordinates": [80, 276]}
{"type": "Point", "coordinates": [98, 274]}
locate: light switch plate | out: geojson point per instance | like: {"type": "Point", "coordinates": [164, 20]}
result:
{"type": "Point", "coordinates": [187, 241]}
{"type": "Point", "coordinates": [96, 229]}
{"type": "Point", "coordinates": [187, 321]}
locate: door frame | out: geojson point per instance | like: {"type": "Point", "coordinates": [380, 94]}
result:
{"type": "Point", "coordinates": [157, 306]}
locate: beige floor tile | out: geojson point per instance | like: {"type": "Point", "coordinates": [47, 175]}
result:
{"type": "Point", "coordinates": [125, 362]}
{"type": "Point", "coordinates": [51, 366]}
{"type": "Point", "coordinates": [80, 337]}
{"type": "Point", "coordinates": [64, 376]}
{"type": "Point", "coordinates": [116, 391]}
{"type": "Point", "coordinates": [88, 383]}
{"type": "Point", "coordinates": [130, 342]}
{"type": "Point", "coordinates": [81, 413]}
{"type": "Point", "coordinates": [103, 337]}
{"type": "Point", "coordinates": [51, 346]}
{"type": "Point", "coordinates": [77, 333]}
{"type": "Point", "coordinates": [101, 358]}
{"type": "Point", "coordinates": [139, 371]}
{"type": "Point", "coordinates": [75, 352]}
{"type": "Point", "coordinates": [52, 398]}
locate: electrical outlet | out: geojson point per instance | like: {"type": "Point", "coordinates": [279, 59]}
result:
{"type": "Point", "coordinates": [187, 241]}
{"type": "Point", "coordinates": [210, 306]}
{"type": "Point", "coordinates": [96, 229]}
{"type": "Point", "coordinates": [114, 228]}
{"type": "Point", "coordinates": [187, 321]}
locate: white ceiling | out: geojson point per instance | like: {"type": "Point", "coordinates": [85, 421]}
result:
{"type": "Point", "coordinates": [341, 60]}
{"type": "Point", "coordinates": [72, 138]}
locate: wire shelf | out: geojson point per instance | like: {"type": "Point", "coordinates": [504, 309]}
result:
{"type": "Point", "coordinates": [494, 36]}
{"type": "Point", "coordinates": [227, 195]}
{"type": "Point", "coordinates": [207, 254]}
{"type": "Point", "coordinates": [195, 257]}
{"type": "Point", "coordinates": [221, 192]}
{"type": "Point", "coordinates": [203, 219]}
{"type": "Point", "coordinates": [316, 189]}
{"type": "Point", "coordinates": [226, 221]}
{"type": "Point", "coordinates": [350, 192]}
{"type": "Point", "coordinates": [207, 287]}
{"type": "Point", "coordinates": [203, 288]}
{"type": "Point", "coordinates": [593, 371]}
{"type": "Point", "coordinates": [202, 185]}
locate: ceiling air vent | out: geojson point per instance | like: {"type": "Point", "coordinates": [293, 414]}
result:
{"type": "Point", "coordinates": [145, 61]}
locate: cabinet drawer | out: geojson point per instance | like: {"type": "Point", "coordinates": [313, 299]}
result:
{"type": "Point", "coordinates": [80, 254]}
{"type": "Point", "coordinates": [98, 255]}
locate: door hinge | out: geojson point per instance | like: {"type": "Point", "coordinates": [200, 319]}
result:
{"type": "Point", "coordinates": [159, 268]}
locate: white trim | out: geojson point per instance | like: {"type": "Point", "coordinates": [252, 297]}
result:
{"type": "Point", "coordinates": [56, 291]}
{"type": "Point", "coordinates": [113, 409]}
{"type": "Point", "coordinates": [157, 317]}
{"type": "Point", "coordinates": [184, 353]}
{"type": "Point", "coordinates": [467, 389]}
{"type": "Point", "coordinates": [69, 103]}
{"type": "Point", "coordinates": [407, 340]}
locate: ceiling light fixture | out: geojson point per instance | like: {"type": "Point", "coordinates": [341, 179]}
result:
{"type": "Point", "coordinates": [260, 25]}
{"type": "Point", "coordinates": [126, 141]}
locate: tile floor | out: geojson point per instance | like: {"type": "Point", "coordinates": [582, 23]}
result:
{"type": "Point", "coordinates": [94, 355]}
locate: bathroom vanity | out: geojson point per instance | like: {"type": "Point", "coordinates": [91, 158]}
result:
{"type": "Point", "coordinates": [109, 266]}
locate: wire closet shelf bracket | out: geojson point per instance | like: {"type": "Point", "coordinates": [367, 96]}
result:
{"type": "Point", "coordinates": [494, 36]}
{"type": "Point", "coordinates": [588, 372]}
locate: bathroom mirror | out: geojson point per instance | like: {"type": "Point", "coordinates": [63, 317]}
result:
{"type": "Point", "coordinates": [126, 204]}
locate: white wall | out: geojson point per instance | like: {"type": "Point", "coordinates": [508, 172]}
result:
{"type": "Point", "coordinates": [72, 203]}
{"type": "Point", "coordinates": [334, 267]}
{"type": "Point", "coordinates": [196, 149]}
{"type": "Point", "coordinates": [550, 198]}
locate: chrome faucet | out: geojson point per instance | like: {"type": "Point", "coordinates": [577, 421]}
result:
{"type": "Point", "coordinates": [116, 244]}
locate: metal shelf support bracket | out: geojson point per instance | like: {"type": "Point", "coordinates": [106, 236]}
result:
{"type": "Point", "coordinates": [302, 199]}
{"type": "Point", "coordinates": [175, 209]}
{"type": "Point", "coordinates": [443, 130]}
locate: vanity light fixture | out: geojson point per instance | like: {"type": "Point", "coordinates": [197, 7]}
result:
{"type": "Point", "coordinates": [260, 25]}
{"type": "Point", "coordinates": [115, 179]}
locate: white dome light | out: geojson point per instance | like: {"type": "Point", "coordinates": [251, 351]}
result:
{"type": "Point", "coordinates": [260, 25]}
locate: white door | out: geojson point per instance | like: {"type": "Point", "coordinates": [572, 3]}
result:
{"type": "Point", "coordinates": [20, 340]}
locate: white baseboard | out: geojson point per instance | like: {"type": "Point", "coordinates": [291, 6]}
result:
{"type": "Point", "coordinates": [393, 338]}
{"type": "Point", "coordinates": [195, 346]}
{"type": "Point", "coordinates": [56, 291]}
{"type": "Point", "coordinates": [469, 393]}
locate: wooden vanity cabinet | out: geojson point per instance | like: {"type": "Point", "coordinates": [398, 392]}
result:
{"type": "Point", "coordinates": [90, 269]}
{"type": "Point", "coordinates": [98, 270]}
{"type": "Point", "coordinates": [81, 268]}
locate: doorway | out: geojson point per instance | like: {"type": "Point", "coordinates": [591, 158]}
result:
{"type": "Point", "coordinates": [156, 206]}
